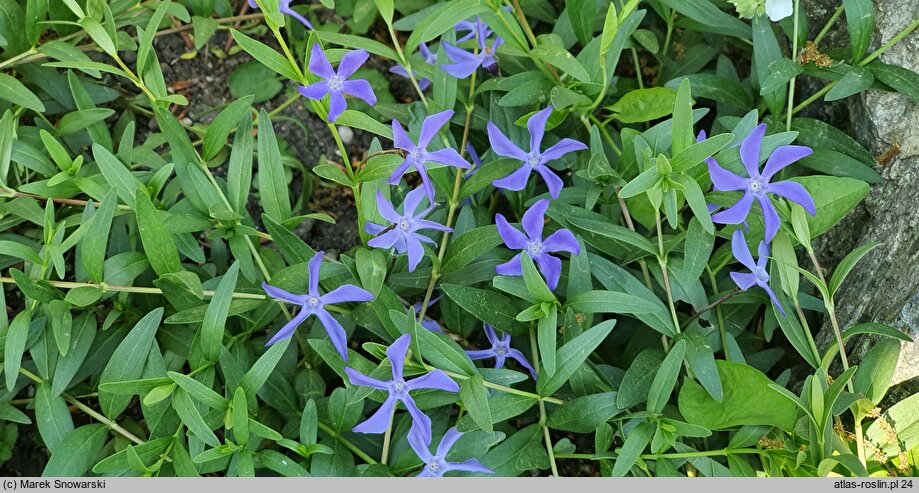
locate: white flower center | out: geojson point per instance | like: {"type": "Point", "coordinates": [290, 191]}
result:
{"type": "Point", "coordinates": [756, 185]}
{"type": "Point", "coordinates": [313, 301]}
{"type": "Point", "coordinates": [436, 465]}
{"type": "Point", "coordinates": [405, 223]}
{"type": "Point", "coordinates": [535, 248]}
{"type": "Point", "coordinates": [418, 155]}
{"type": "Point", "coordinates": [533, 159]}
{"type": "Point", "coordinates": [336, 83]}
{"type": "Point", "coordinates": [398, 388]}
{"type": "Point", "coordinates": [501, 350]}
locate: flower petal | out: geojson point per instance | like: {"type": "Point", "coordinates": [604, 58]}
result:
{"type": "Point", "coordinates": [411, 202]}
{"type": "Point", "coordinates": [337, 105]}
{"type": "Point", "coordinates": [289, 327]}
{"type": "Point", "coordinates": [778, 10]}
{"type": "Point", "coordinates": [750, 149]}
{"type": "Point", "coordinates": [510, 268]}
{"type": "Point", "coordinates": [351, 62]}
{"type": "Point", "coordinates": [447, 442]}
{"type": "Point", "coordinates": [741, 251]}
{"type": "Point", "coordinates": [314, 267]}
{"type": "Point", "coordinates": [398, 172]}
{"type": "Point", "coordinates": [796, 193]}
{"type": "Point", "coordinates": [299, 17]}
{"type": "Point", "coordinates": [534, 219]}
{"type": "Point", "coordinates": [775, 300]}
{"type": "Point", "coordinates": [374, 229]}
{"type": "Point", "coordinates": [379, 421]}
{"type": "Point", "coordinates": [562, 240]}
{"type": "Point", "coordinates": [490, 334]}
{"type": "Point", "coordinates": [416, 441]}
{"type": "Point", "coordinates": [278, 293]}
{"type": "Point", "coordinates": [513, 238]}
{"type": "Point", "coordinates": [503, 146]}
{"type": "Point", "coordinates": [537, 127]}
{"type": "Point", "coordinates": [743, 280]}
{"type": "Point", "coordinates": [358, 378]}
{"type": "Point", "coordinates": [563, 147]}
{"type": "Point", "coordinates": [315, 91]}
{"type": "Point", "coordinates": [737, 213]}
{"type": "Point", "coordinates": [449, 157]}
{"type": "Point", "coordinates": [400, 137]}
{"type": "Point", "coordinates": [516, 180]}
{"type": "Point", "coordinates": [426, 224]}
{"type": "Point", "coordinates": [553, 182]}
{"type": "Point", "coordinates": [782, 157]}
{"type": "Point", "coordinates": [522, 360]}
{"type": "Point", "coordinates": [551, 268]}
{"type": "Point", "coordinates": [471, 465]}
{"type": "Point", "coordinates": [385, 208]}
{"type": "Point", "coordinates": [319, 64]}
{"type": "Point", "coordinates": [421, 423]}
{"type": "Point", "coordinates": [396, 353]}
{"type": "Point", "coordinates": [770, 217]}
{"type": "Point", "coordinates": [336, 332]}
{"type": "Point", "coordinates": [431, 125]}
{"type": "Point", "coordinates": [723, 180]}
{"type": "Point", "coordinates": [346, 293]}
{"type": "Point", "coordinates": [475, 355]}
{"type": "Point", "coordinates": [360, 89]}
{"type": "Point", "coordinates": [436, 379]}
{"type": "Point", "coordinates": [386, 240]}
{"type": "Point", "coordinates": [415, 251]}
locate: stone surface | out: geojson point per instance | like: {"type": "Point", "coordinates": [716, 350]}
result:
{"type": "Point", "coordinates": [884, 287]}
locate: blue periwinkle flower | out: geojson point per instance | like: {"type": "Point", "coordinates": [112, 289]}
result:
{"type": "Point", "coordinates": [757, 275]}
{"type": "Point", "coordinates": [429, 58]}
{"type": "Point", "coordinates": [312, 303]}
{"type": "Point", "coordinates": [534, 245]}
{"type": "Point", "coordinates": [399, 390]}
{"type": "Point", "coordinates": [336, 83]}
{"type": "Point", "coordinates": [466, 62]}
{"type": "Point", "coordinates": [417, 155]}
{"type": "Point", "coordinates": [435, 465]}
{"type": "Point", "coordinates": [402, 233]}
{"type": "Point", "coordinates": [500, 350]}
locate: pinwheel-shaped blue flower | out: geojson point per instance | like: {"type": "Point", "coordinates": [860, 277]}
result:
{"type": "Point", "coordinates": [533, 160]}
{"type": "Point", "coordinates": [758, 275]}
{"type": "Point", "coordinates": [465, 62]}
{"type": "Point", "coordinates": [417, 155]}
{"type": "Point", "coordinates": [429, 58]}
{"type": "Point", "coordinates": [399, 390]}
{"type": "Point", "coordinates": [435, 465]}
{"type": "Point", "coordinates": [284, 8]}
{"type": "Point", "coordinates": [500, 350]}
{"type": "Point", "coordinates": [533, 245]}
{"type": "Point", "coordinates": [402, 232]}
{"type": "Point", "coordinates": [336, 84]}
{"type": "Point", "coordinates": [757, 186]}
{"type": "Point", "coordinates": [312, 303]}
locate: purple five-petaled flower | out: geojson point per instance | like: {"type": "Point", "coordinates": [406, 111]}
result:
{"type": "Point", "coordinates": [500, 350]}
{"type": "Point", "coordinates": [473, 29]}
{"type": "Point", "coordinates": [403, 230]}
{"type": "Point", "coordinates": [284, 8]}
{"type": "Point", "coordinates": [435, 465]}
{"type": "Point", "coordinates": [757, 185]}
{"type": "Point", "coordinates": [533, 245]}
{"type": "Point", "coordinates": [429, 58]}
{"type": "Point", "coordinates": [534, 160]}
{"type": "Point", "coordinates": [465, 62]}
{"type": "Point", "coordinates": [417, 155]}
{"type": "Point", "coordinates": [758, 275]}
{"type": "Point", "coordinates": [312, 303]}
{"type": "Point", "coordinates": [399, 390]}
{"type": "Point", "coordinates": [336, 83]}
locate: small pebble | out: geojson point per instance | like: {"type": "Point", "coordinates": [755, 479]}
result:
{"type": "Point", "coordinates": [347, 135]}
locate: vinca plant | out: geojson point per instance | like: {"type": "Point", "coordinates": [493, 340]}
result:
{"type": "Point", "coordinates": [437, 237]}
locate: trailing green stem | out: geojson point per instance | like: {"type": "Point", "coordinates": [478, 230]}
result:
{"type": "Point", "coordinates": [534, 351]}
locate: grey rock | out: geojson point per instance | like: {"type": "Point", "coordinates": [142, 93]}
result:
{"type": "Point", "coordinates": [884, 287]}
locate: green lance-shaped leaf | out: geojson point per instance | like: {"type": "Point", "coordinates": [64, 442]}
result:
{"type": "Point", "coordinates": [127, 361]}
{"type": "Point", "coordinates": [215, 318]}
{"type": "Point", "coordinates": [272, 184]}
{"type": "Point", "coordinates": [158, 244]}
